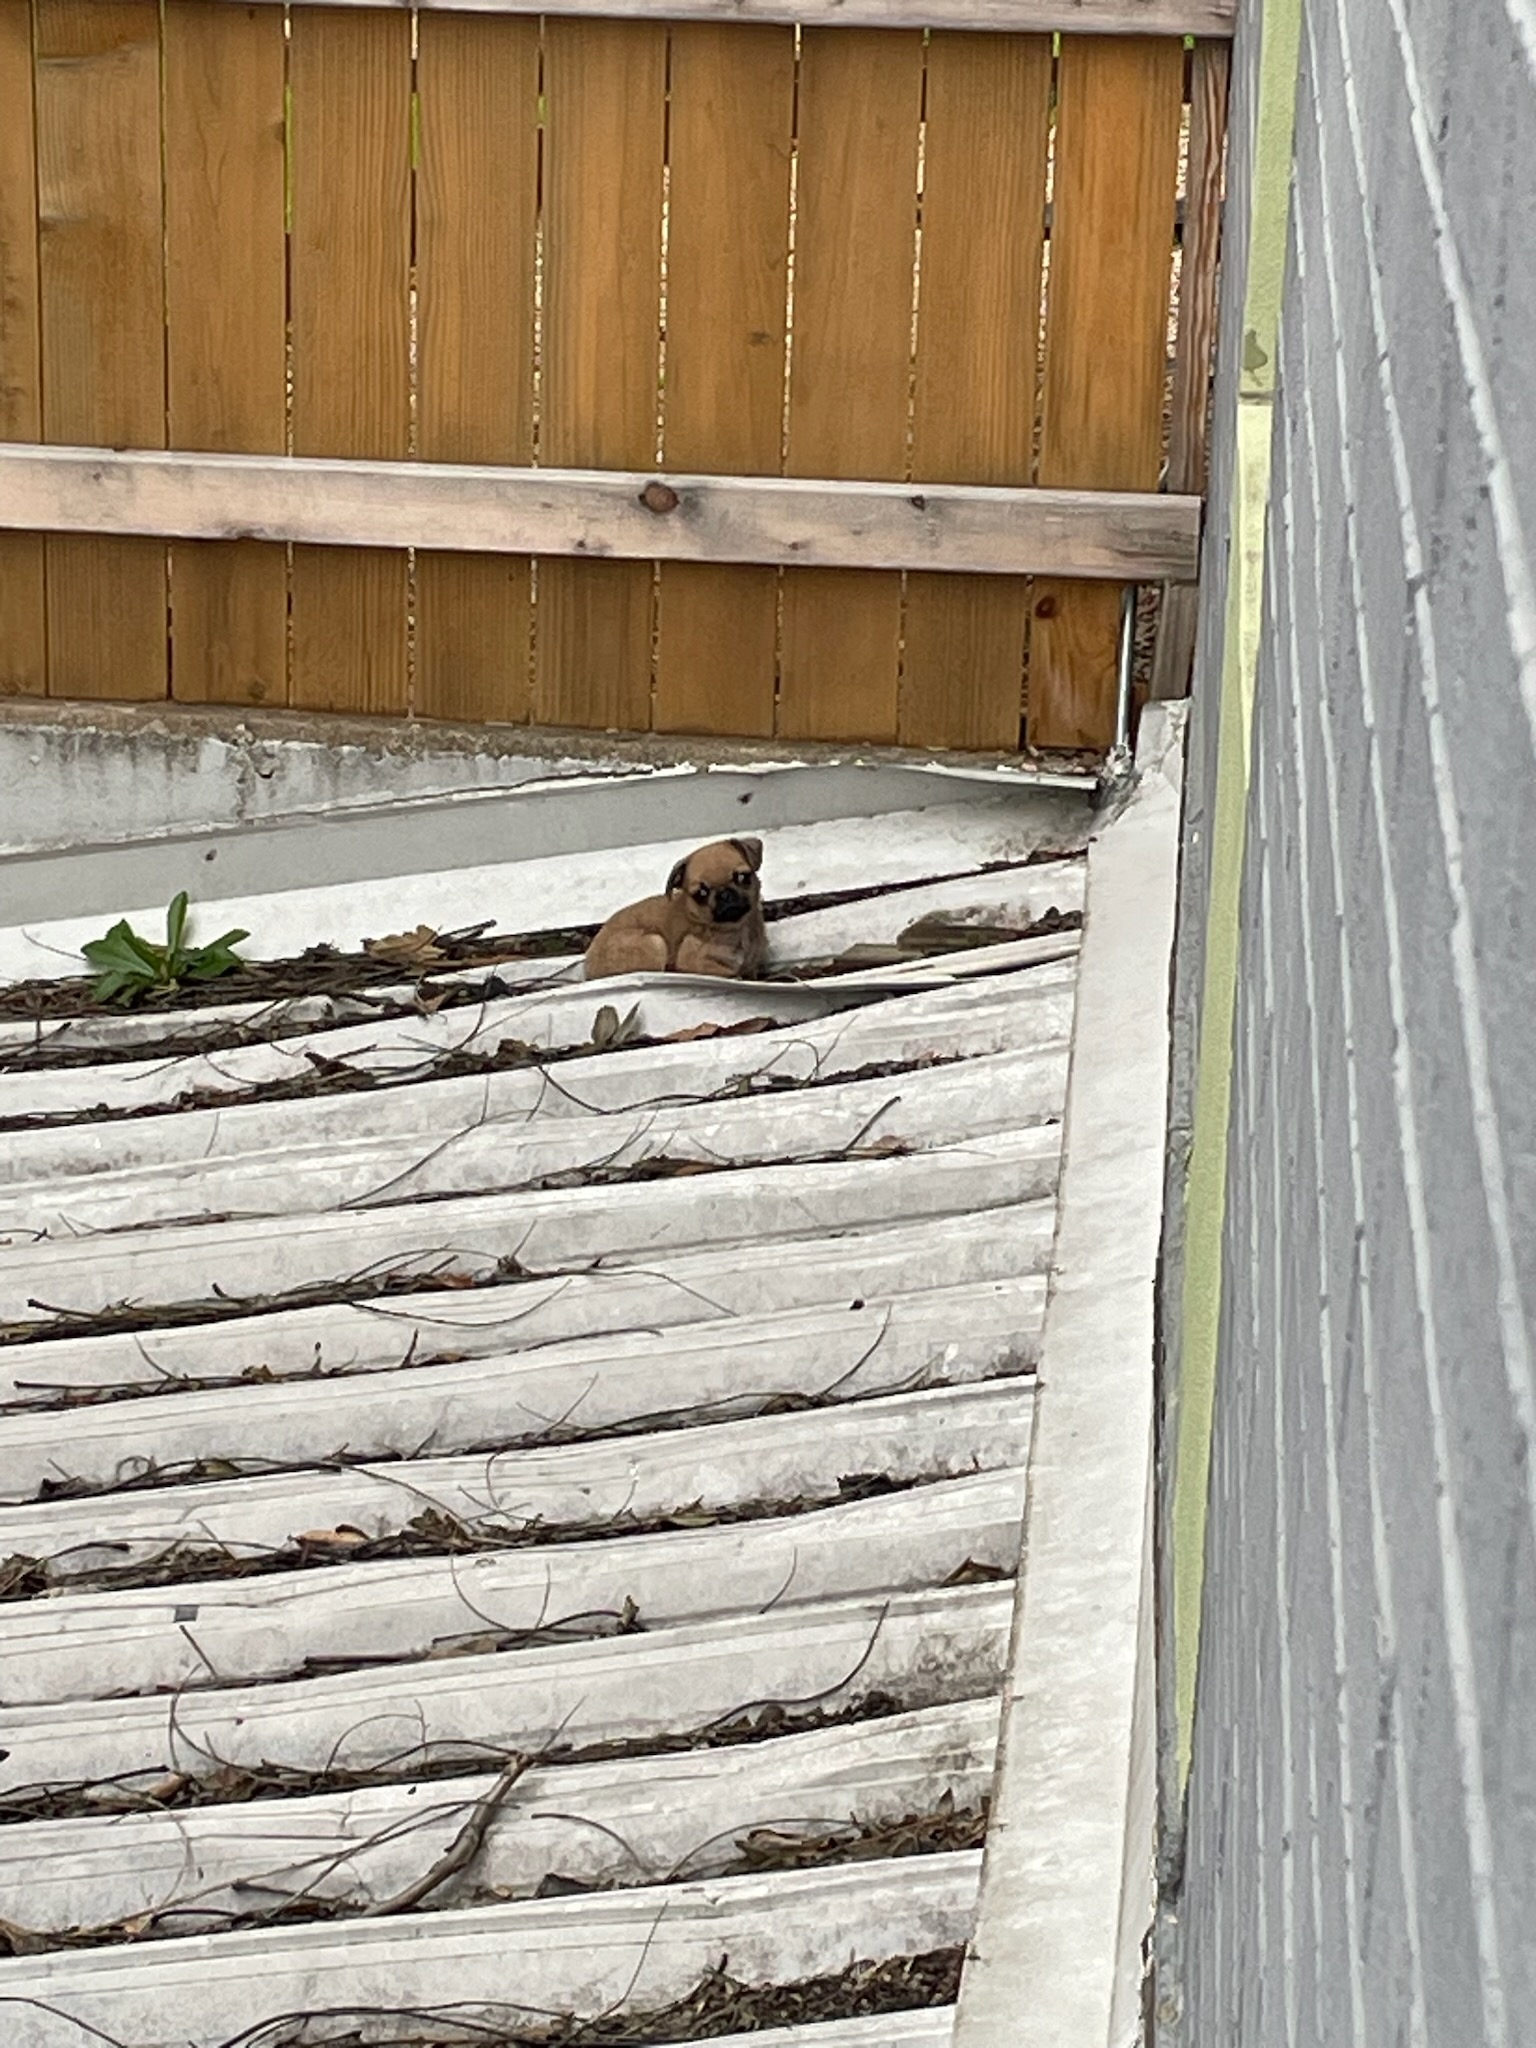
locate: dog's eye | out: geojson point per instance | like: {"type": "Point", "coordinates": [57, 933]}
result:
{"type": "Point", "coordinates": [701, 894]}
{"type": "Point", "coordinates": [742, 877]}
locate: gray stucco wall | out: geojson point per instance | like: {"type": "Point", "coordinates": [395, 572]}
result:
{"type": "Point", "coordinates": [1361, 1850]}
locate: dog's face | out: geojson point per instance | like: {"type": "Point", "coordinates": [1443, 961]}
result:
{"type": "Point", "coordinates": [717, 884]}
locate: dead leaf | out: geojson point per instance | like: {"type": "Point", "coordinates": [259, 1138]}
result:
{"type": "Point", "coordinates": [938, 933]}
{"type": "Point", "coordinates": [610, 1031]}
{"type": "Point", "coordinates": [870, 956]}
{"type": "Point", "coordinates": [21, 1941]}
{"type": "Point", "coordinates": [973, 1574]}
{"type": "Point", "coordinates": [742, 1030]}
{"type": "Point", "coordinates": [343, 1537]}
{"type": "Point", "coordinates": [665, 1167]}
{"type": "Point", "coordinates": [482, 1645]}
{"type": "Point", "coordinates": [417, 948]}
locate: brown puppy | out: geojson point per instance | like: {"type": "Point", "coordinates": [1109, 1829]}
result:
{"type": "Point", "coordinates": [710, 921]}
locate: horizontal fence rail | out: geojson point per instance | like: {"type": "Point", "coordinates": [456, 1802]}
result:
{"type": "Point", "coordinates": [1124, 536]}
{"type": "Point", "coordinates": [1037, 17]}
{"type": "Point", "coordinates": [459, 300]}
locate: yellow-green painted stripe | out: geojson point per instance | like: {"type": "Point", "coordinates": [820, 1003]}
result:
{"type": "Point", "coordinates": [1205, 1188]}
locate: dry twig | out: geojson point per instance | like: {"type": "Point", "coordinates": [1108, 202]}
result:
{"type": "Point", "coordinates": [461, 1851]}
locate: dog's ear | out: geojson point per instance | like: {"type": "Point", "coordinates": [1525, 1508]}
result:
{"type": "Point", "coordinates": [751, 851]}
{"type": "Point", "coordinates": [676, 878]}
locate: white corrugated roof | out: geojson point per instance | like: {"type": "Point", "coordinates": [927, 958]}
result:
{"type": "Point", "coordinates": [529, 1530]}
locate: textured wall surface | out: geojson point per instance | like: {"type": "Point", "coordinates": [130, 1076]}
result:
{"type": "Point", "coordinates": [1361, 1854]}
{"type": "Point", "coordinates": [1263, 77]}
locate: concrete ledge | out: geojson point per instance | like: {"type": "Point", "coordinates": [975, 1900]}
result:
{"type": "Point", "coordinates": [1067, 1889]}
{"type": "Point", "coordinates": [117, 772]}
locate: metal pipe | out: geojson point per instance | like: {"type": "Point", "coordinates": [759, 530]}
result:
{"type": "Point", "coordinates": [1116, 772]}
{"type": "Point", "coordinates": [1127, 663]}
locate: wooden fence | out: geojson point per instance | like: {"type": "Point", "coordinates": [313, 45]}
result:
{"type": "Point", "coordinates": [534, 291]}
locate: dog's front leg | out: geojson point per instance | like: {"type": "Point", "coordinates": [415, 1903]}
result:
{"type": "Point", "coordinates": [697, 956]}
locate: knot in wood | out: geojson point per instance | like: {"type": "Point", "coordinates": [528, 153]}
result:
{"type": "Point", "coordinates": [659, 498]}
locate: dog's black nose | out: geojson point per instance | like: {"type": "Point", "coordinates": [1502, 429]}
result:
{"type": "Point", "coordinates": [730, 905]}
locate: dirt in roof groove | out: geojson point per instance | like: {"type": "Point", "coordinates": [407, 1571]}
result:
{"type": "Point", "coordinates": [435, 1532]}
{"type": "Point", "coordinates": [330, 970]}
{"type": "Point", "coordinates": [225, 1784]}
{"type": "Point", "coordinates": [272, 1026]}
{"type": "Point", "coordinates": [147, 1476]}
{"type": "Point", "coordinates": [790, 1844]}
{"type": "Point", "coordinates": [650, 1167]}
{"type": "Point", "coordinates": [55, 1397]}
{"type": "Point", "coordinates": [718, 2004]}
{"type": "Point", "coordinates": [124, 1318]}
{"type": "Point", "coordinates": [325, 1076]}
{"type": "Point", "coordinates": [330, 1076]}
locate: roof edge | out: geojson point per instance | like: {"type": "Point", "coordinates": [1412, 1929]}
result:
{"type": "Point", "coordinates": [1067, 1885]}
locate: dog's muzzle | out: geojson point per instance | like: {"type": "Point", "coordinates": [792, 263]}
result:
{"type": "Point", "coordinates": [731, 906]}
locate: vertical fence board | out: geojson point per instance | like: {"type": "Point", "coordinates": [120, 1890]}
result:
{"type": "Point", "coordinates": [1174, 653]}
{"type": "Point", "coordinates": [987, 113]}
{"type": "Point", "coordinates": [860, 103]}
{"type": "Point", "coordinates": [350, 79]}
{"type": "Point", "coordinates": [23, 636]}
{"type": "Point", "coordinates": [732, 97]}
{"type": "Point", "coordinates": [1119, 102]}
{"type": "Point", "coordinates": [605, 108]}
{"type": "Point", "coordinates": [1197, 271]}
{"type": "Point", "coordinates": [226, 313]}
{"type": "Point", "coordinates": [103, 323]}
{"type": "Point", "coordinates": [477, 83]}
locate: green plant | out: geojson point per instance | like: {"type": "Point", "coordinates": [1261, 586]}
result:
{"type": "Point", "coordinates": [128, 966]}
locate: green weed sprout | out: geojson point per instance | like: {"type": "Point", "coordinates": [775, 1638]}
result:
{"type": "Point", "coordinates": [128, 967]}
